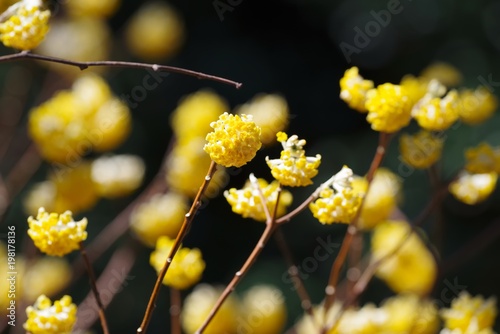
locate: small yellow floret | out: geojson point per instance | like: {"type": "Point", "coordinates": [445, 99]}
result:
{"type": "Point", "coordinates": [45, 318]}
{"type": "Point", "coordinates": [483, 159]}
{"type": "Point", "coordinates": [56, 235]}
{"type": "Point", "coordinates": [473, 188]}
{"type": "Point", "coordinates": [353, 89]}
{"type": "Point", "coordinates": [186, 268]}
{"type": "Point", "coordinates": [293, 168]}
{"type": "Point", "coordinates": [234, 141]}
{"type": "Point", "coordinates": [263, 311]}
{"type": "Point", "coordinates": [389, 108]}
{"type": "Point", "coordinates": [437, 113]}
{"type": "Point", "coordinates": [421, 150]}
{"type": "Point", "coordinates": [26, 28]}
{"type": "Point", "coordinates": [477, 105]}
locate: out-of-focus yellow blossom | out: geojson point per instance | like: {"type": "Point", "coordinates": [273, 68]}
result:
{"type": "Point", "coordinates": [308, 324]}
{"type": "Point", "coordinates": [412, 268]}
{"type": "Point", "coordinates": [161, 215]}
{"type": "Point", "coordinates": [353, 89]}
{"type": "Point", "coordinates": [445, 73]}
{"type": "Point", "coordinates": [187, 166]}
{"type": "Point", "coordinates": [477, 105]}
{"type": "Point", "coordinates": [421, 150]}
{"type": "Point", "coordinates": [234, 141]}
{"type": "Point", "coordinates": [381, 199]}
{"type": "Point", "coordinates": [337, 202]}
{"type": "Point", "coordinates": [263, 311]}
{"type": "Point", "coordinates": [473, 188]}
{"type": "Point", "coordinates": [198, 305]}
{"type": "Point", "coordinates": [409, 314]}
{"type": "Point", "coordinates": [365, 320]}
{"type": "Point", "coordinates": [79, 39]}
{"type": "Point", "coordinates": [389, 108]}
{"type": "Point", "coordinates": [186, 268]}
{"type": "Point", "coordinates": [195, 113]}
{"type": "Point", "coordinates": [156, 31]}
{"type": "Point", "coordinates": [26, 28]}
{"type": "Point", "coordinates": [470, 315]}
{"type": "Point", "coordinates": [415, 87]}
{"type": "Point", "coordinates": [11, 288]}
{"type": "Point", "coordinates": [483, 159]}
{"type": "Point", "coordinates": [41, 194]}
{"type": "Point", "coordinates": [118, 175]}
{"type": "Point", "coordinates": [94, 8]}
{"type": "Point", "coordinates": [56, 234]}
{"type": "Point", "coordinates": [45, 318]}
{"type": "Point", "coordinates": [47, 276]}
{"type": "Point", "coordinates": [110, 125]}
{"type": "Point", "coordinates": [247, 202]}
{"type": "Point", "coordinates": [293, 168]}
{"type": "Point", "coordinates": [436, 112]}
{"type": "Point", "coordinates": [270, 113]}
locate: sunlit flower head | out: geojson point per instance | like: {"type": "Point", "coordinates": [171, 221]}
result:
{"type": "Point", "coordinates": [421, 150]}
{"type": "Point", "coordinates": [353, 89]}
{"type": "Point", "coordinates": [45, 318]}
{"type": "Point", "coordinates": [473, 188]}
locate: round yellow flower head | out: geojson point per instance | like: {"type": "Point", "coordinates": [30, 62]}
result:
{"type": "Point", "coordinates": [186, 268]}
{"type": "Point", "coordinates": [381, 199]}
{"type": "Point", "coordinates": [293, 168]}
{"type": "Point", "coordinates": [353, 89]}
{"type": "Point", "coordinates": [94, 8]}
{"type": "Point", "coordinates": [45, 318]}
{"type": "Point", "coordinates": [476, 105]}
{"type": "Point", "coordinates": [247, 202]}
{"type": "Point", "coordinates": [234, 141]}
{"type": "Point", "coordinates": [161, 215]}
{"type": "Point", "coordinates": [118, 175]}
{"type": "Point", "coordinates": [270, 113]}
{"type": "Point", "coordinates": [409, 314]}
{"type": "Point", "coordinates": [27, 26]}
{"type": "Point", "coordinates": [445, 73]}
{"type": "Point", "coordinates": [469, 315]}
{"type": "Point", "coordinates": [56, 235]}
{"type": "Point", "coordinates": [421, 150]}
{"type": "Point", "coordinates": [483, 159]}
{"type": "Point", "coordinates": [337, 202]}
{"type": "Point", "coordinates": [198, 305]}
{"type": "Point", "coordinates": [156, 31]}
{"type": "Point", "coordinates": [389, 108]}
{"type": "Point", "coordinates": [195, 113]}
{"type": "Point", "coordinates": [473, 188]}
{"type": "Point", "coordinates": [263, 311]}
{"type": "Point", "coordinates": [412, 268]}
{"type": "Point", "coordinates": [47, 276]}
{"type": "Point", "coordinates": [415, 87]}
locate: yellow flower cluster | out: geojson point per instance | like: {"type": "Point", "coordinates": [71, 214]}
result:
{"type": "Point", "coordinates": [435, 113]}
{"type": "Point", "coordinates": [470, 315]}
{"type": "Point", "coordinates": [353, 89]}
{"type": "Point", "coordinates": [247, 201]}
{"type": "Point", "coordinates": [293, 168]}
{"type": "Point", "coordinates": [93, 8]}
{"type": "Point", "coordinates": [476, 105]}
{"type": "Point", "coordinates": [269, 112]}
{"type": "Point", "coordinates": [473, 188]}
{"type": "Point", "coordinates": [27, 26]}
{"type": "Point", "coordinates": [421, 150]}
{"type": "Point", "coordinates": [415, 87]}
{"type": "Point", "coordinates": [56, 235]}
{"type": "Point", "coordinates": [74, 122]}
{"type": "Point", "coordinates": [45, 318]}
{"type": "Point", "coordinates": [161, 215]}
{"type": "Point", "coordinates": [412, 268]}
{"type": "Point", "coordinates": [337, 202]}
{"type": "Point", "coordinates": [483, 159]}
{"type": "Point", "coordinates": [234, 141]}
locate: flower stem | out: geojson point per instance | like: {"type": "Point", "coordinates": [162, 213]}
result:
{"type": "Point", "coordinates": [188, 219]}
{"type": "Point", "coordinates": [175, 311]}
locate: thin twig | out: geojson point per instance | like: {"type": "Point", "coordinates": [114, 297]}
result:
{"type": "Point", "coordinates": [188, 218]}
{"type": "Point", "coordinates": [175, 311]}
{"type": "Point", "coordinates": [82, 65]}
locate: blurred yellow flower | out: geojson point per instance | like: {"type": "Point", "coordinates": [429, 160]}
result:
{"type": "Point", "coordinates": [47, 276]}
{"type": "Point", "coordinates": [56, 235]}
{"type": "Point", "coordinates": [415, 87]}
{"type": "Point", "coordinates": [45, 318]}
{"type": "Point", "coordinates": [41, 194]}
{"type": "Point", "coordinates": [443, 72]}
{"type": "Point", "coordinates": [293, 168]}
{"type": "Point", "coordinates": [483, 159]}
{"type": "Point", "coordinates": [94, 8]}
{"type": "Point", "coordinates": [186, 268]}
{"type": "Point", "coordinates": [365, 320]}
{"type": "Point", "coordinates": [353, 89]}
{"type": "Point", "coordinates": [473, 188]}
{"type": "Point", "coordinates": [421, 150]}
{"type": "Point", "coordinates": [234, 141]}
{"type": "Point", "coordinates": [477, 105]}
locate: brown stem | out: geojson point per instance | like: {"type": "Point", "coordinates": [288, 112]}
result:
{"type": "Point", "coordinates": [82, 65]}
{"type": "Point", "coordinates": [188, 218]}
{"type": "Point", "coordinates": [175, 311]}
{"type": "Point", "coordinates": [93, 285]}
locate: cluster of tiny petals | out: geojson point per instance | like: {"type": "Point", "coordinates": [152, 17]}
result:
{"type": "Point", "coordinates": [45, 318]}
{"type": "Point", "coordinates": [483, 159]}
{"type": "Point", "coordinates": [234, 141]}
{"type": "Point", "coordinates": [389, 108]}
{"type": "Point", "coordinates": [247, 201]}
{"type": "Point", "coordinates": [421, 150]}
{"type": "Point", "coordinates": [353, 89]}
{"type": "Point", "coordinates": [56, 234]}
{"type": "Point", "coordinates": [437, 113]}
{"type": "Point", "coordinates": [473, 188]}
{"type": "Point", "coordinates": [476, 105]}
{"type": "Point", "coordinates": [26, 28]}
{"type": "Point", "coordinates": [293, 168]}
